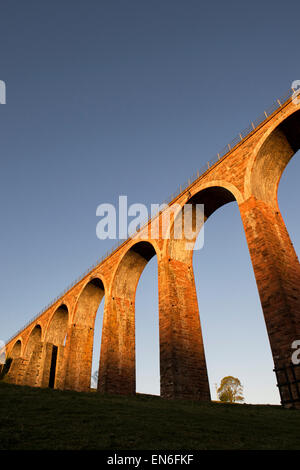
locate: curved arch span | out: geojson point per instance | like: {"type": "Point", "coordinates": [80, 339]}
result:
{"type": "Point", "coordinates": [80, 336]}
{"type": "Point", "coordinates": [117, 364]}
{"type": "Point", "coordinates": [57, 326]}
{"type": "Point", "coordinates": [209, 199]}
{"type": "Point", "coordinates": [16, 349]}
{"type": "Point", "coordinates": [33, 339]}
{"type": "Point", "coordinates": [272, 158]}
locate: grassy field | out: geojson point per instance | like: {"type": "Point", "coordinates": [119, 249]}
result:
{"type": "Point", "coordinates": [32, 418]}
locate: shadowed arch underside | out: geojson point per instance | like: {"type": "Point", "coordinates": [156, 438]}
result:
{"type": "Point", "coordinates": [117, 363]}
{"type": "Point", "coordinates": [189, 221]}
{"type": "Point", "coordinates": [272, 158]}
{"type": "Point", "coordinates": [33, 340]}
{"type": "Point", "coordinates": [80, 337]}
{"type": "Point", "coordinates": [57, 329]}
{"type": "Point", "coordinates": [16, 349]}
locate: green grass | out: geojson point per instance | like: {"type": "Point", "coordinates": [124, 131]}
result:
{"type": "Point", "coordinates": [32, 418]}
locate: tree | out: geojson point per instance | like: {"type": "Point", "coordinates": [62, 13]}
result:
{"type": "Point", "coordinates": [230, 390]}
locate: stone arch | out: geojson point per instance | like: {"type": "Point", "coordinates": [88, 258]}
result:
{"type": "Point", "coordinates": [33, 339]}
{"type": "Point", "coordinates": [271, 159]}
{"type": "Point", "coordinates": [16, 349]}
{"type": "Point", "coordinates": [182, 355]}
{"type": "Point", "coordinates": [80, 336]}
{"type": "Point", "coordinates": [130, 268]}
{"type": "Point", "coordinates": [212, 197]}
{"type": "Point", "coordinates": [13, 374]}
{"type": "Point", "coordinates": [117, 362]}
{"type": "Point", "coordinates": [88, 302]}
{"type": "Point", "coordinates": [57, 326]}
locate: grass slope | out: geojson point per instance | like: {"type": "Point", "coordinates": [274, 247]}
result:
{"type": "Point", "coordinates": [32, 418]}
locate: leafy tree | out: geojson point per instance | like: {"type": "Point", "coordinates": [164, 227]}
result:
{"type": "Point", "coordinates": [230, 390]}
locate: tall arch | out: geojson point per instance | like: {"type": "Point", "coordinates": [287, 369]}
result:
{"type": "Point", "coordinates": [16, 349]}
{"type": "Point", "coordinates": [117, 363]}
{"type": "Point", "coordinates": [182, 356]}
{"type": "Point", "coordinates": [233, 327]}
{"type": "Point", "coordinates": [58, 326]}
{"type": "Point", "coordinates": [56, 332]}
{"type": "Point", "coordinates": [34, 338]}
{"type": "Point", "coordinates": [16, 368]}
{"type": "Point", "coordinates": [208, 199]}
{"type": "Point", "coordinates": [147, 358]}
{"type": "Point", "coordinates": [79, 345]}
{"type": "Point", "coordinates": [288, 199]}
{"type": "Point", "coordinates": [272, 158]}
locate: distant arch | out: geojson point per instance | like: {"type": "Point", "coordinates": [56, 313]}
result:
{"type": "Point", "coordinates": [33, 339]}
{"type": "Point", "coordinates": [57, 326]}
{"type": "Point", "coordinates": [88, 302]}
{"type": "Point", "coordinates": [130, 268]}
{"type": "Point", "coordinates": [80, 338]}
{"type": "Point", "coordinates": [16, 349]}
{"type": "Point", "coordinates": [272, 157]}
{"type": "Point", "coordinates": [120, 346]}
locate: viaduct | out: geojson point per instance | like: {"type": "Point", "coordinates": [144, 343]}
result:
{"type": "Point", "coordinates": [55, 348]}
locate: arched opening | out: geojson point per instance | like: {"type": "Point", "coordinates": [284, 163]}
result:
{"type": "Point", "coordinates": [288, 199]}
{"type": "Point", "coordinates": [81, 340]}
{"type": "Point", "coordinates": [276, 172]}
{"type": "Point", "coordinates": [9, 367]}
{"type": "Point", "coordinates": [58, 326]}
{"type": "Point", "coordinates": [131, 267]}
{"type": "Point", "coordinates": [55, 339]}
{"type": "Point", "coordinates": [16, 350]}
{"type": "Point", "coordinates": [122, 312]}
{"type": "Point", "coordinates": [234, 333]}
{"type": "Point", "coordinates": [147, 331]}
{"type": "Point", "coordinates": [272, 158]}
{"type": "Point", "coordinates": [208, 200]}
{"type": "Point", "coordinates": [33, 340]}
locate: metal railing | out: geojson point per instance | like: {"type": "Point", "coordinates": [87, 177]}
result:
{"type": "Point", "coordinates": [180, 190]}
{"type": "Point", "coordinates": [288, 383]}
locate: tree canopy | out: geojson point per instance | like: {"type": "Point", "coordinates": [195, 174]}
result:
{"type": "Point", "coordinates": [230, 390]}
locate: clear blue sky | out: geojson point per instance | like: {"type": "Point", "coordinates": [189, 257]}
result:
{"type": "Point", "coordinates": [112, 97]}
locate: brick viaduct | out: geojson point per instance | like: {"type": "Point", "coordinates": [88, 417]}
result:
{"type": "Point", "coordinates": [56, 348]}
